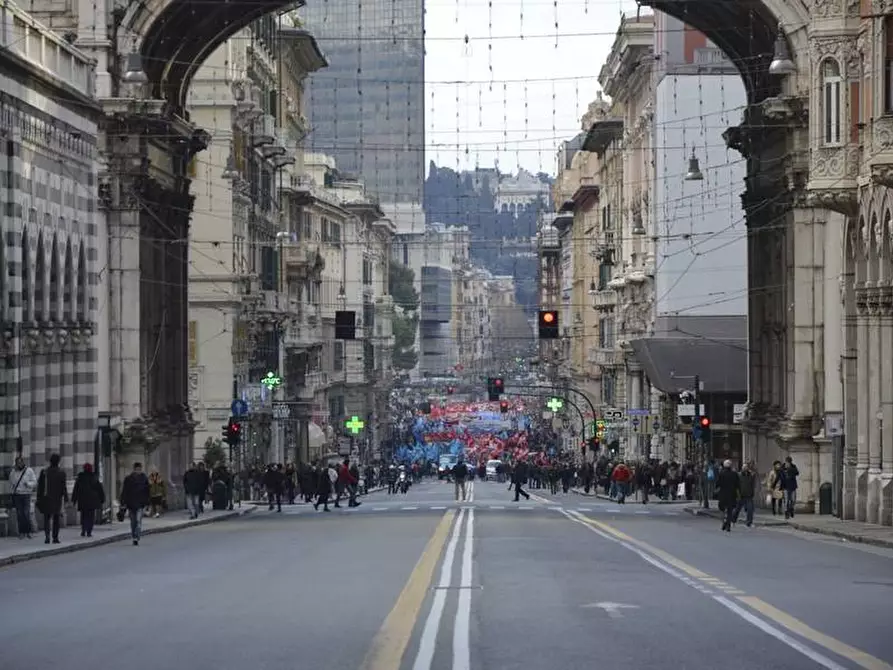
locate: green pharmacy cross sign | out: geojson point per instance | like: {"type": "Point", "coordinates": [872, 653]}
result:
{"type": "Point", "coordinates": [554, 404]}
{"type": "Point", "coordinates": [355, 425]}
{"type": "Point", "coordinates": [272, 381]}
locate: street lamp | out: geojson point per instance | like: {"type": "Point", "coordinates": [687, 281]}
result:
{"type": "Point", "coordinates": [782, 64]}
{"type": "Point", "coordinates": [694, 169]}
{"type": "Point", "coordinates": [135, 74]}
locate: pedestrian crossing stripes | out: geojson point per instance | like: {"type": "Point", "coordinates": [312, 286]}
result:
{"type": "Point", "coordinates": [481, 506]}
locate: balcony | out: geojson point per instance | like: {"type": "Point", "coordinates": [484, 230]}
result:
{"type": "Point", "coordinates": [602, 356]}
{"type": "Point", "coordinates": [313, 383]}
{"type": "Point", "coordinates": [264, 132]}
{"type": "Point", "coordinates": [303, 333]}
{"type": "Point", "coordinates": [605, 299]}
{"type": "Point", "coordinates": [260, 303]}
{"type": "Point", "coordinates": [301, 262]}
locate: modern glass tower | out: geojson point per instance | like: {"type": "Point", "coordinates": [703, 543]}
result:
{"type": "Point", "coordinates": [367, 109]}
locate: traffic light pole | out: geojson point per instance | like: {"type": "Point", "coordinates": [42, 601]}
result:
{"type": "Point", "coordinates": [702, 451]}
{"type": "Point", "coordinates": [555, 389]}
{"type": "Point", "coordinates": [568, 401]}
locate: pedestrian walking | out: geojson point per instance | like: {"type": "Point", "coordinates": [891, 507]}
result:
{"type": "Point", "coordinates": [89, 496]}
{"type": "Point", "coordinates": [134, 498]}
{"type": "Point", "coordinates": [789, 476]}
{"type": "Point", "coordinates": [747, 484]}
{"type": "Point", "coordinates": [460, 479]}
{"type": "Point", "coordinates": [157, 494]}
{"type": "Point", "coordinates": [727, 488]}
{"type": "Point", "coordinates": [519, 478]}
{"type": "Point", "coordinates": [193, 486]}
{"type": "Point", "coordinates": [323, 488]}
{"type": "Point", "coordinates": [52, 493]}
{"type": "Point", "coordinates": [22, 485]}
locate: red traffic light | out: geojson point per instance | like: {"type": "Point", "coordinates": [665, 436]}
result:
{"type": "Point", "coordinates": [497, 382]}
{"type": "Point", "coordinates": [450, 390]}
{"type": "Point", "coordinates": [235, 427]}
{"type": "Point", "coordinates": [705, 422]}
{"type": "Point", "coordinates": [504, 406]}
{"type": "Point", "coordinates": [549, 317]}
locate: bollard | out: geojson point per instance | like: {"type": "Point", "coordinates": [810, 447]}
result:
{"type": "Point", "coordinates": [825, 498]}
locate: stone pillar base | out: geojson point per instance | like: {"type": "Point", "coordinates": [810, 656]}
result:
{"type": "Point", "coordinates": [861, 493]}
{"type": "Point", "coordinates": [886, 512]}
{"type": "Point", "coordinates": [848, 504]}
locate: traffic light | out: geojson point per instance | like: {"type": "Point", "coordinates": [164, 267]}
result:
{"type": "Point", "coordinates": [593, 444]}
{"type": "Point", "coordinates": [224, 432]}
{"type": "Point", "coordinates": [504, 406]}
{"type": "Point", "coordinates": [495, 388]}
{"type": "Point", "coordinates": [548, 324]}
{"type": "Point", "coordinates": [345, 324]}
{"type": "Point", "coordinates": [451, 390]}
{"type": "Point", "coordinates": [233, 432]}
{"type": "Point", "coordinates": [701, 429]}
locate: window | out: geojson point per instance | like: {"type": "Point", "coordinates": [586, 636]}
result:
{"type": "Point", "coordinates": [888, 65]}
{"type": "Point", "coordinates": [831, 89]}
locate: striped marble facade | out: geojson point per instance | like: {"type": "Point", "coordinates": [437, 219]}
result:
{"type": "Point", "coordinates": [48, 277]}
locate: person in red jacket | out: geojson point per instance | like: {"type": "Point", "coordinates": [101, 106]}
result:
{"type": "Point", "coordinates": [621, 477]}
{"type": "Point", "coordinates": [346, 481]}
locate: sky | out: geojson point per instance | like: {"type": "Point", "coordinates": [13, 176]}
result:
{"type": "Point", "coordinates": [523, 73]}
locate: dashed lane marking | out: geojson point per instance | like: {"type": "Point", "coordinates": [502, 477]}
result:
{"type": "Point", "coordinates": [584, 509]}
{"type": "Point", "coordinates": [497, 506]}
{"type": "Point", "coordinates": [409, 509]}
{"type": "Point", "coordinates": [437, 507]}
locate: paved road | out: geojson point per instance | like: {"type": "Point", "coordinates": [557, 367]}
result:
{"type": "Point", "coordinates": [489, 584]}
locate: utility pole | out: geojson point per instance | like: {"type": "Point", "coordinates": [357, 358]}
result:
{"type": "Point", "coordinates": [702, 445]}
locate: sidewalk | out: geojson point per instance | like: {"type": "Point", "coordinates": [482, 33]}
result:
{"type": "Point", "coordinates": [14, 550]}
{"type": "Point", "coordinates": [851, 531]}
{"type": "Point", "coordinates": [633, 498]}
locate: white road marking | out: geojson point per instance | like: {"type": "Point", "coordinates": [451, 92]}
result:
{"type": "Point", "coordinates": [525, 507]}
{"type": "Point", "coordinates": [584, 509]}
{"type": "Point", "coordinates": [752, 619]}
{"type": "Point", "coordinates": [428, 641]}
{"type": "Point", "coordinates": [643, 511]}
{"type": "Point", "coordinates": [613, 610]}
{"type": "Point", "coordinates": [379, 509]}
{"type": "Point", "coordinates": [613, 510]}
{"type": "Point", "coordinates": [497, 506]}
{"type": "Point", "coordinates": [408, 509]}
{"type": "Point", "coordinates": [438, 507]}
{"type": "Point", "coordinates": [462, 622]}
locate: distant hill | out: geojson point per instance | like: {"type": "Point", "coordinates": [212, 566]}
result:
{"type": "Point", "coordinates": [469, 198]}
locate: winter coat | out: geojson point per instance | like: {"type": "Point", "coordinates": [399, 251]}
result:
{"type": "Point", "coordinates": [22, 482]}
{"type": "Point", "coordinates": [135, 491]}
{"type": "Point", "coordinates": [88, 493]}
{"type": "Point", "coordinates": [52, 490]}
{"type": "Point", "coordinates": [728, 488]}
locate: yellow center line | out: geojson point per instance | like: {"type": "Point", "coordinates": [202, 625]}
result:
{"type": "Point", "coordinates": [389, 645]}
{"type": "Point", "coordinates": [857, 656]}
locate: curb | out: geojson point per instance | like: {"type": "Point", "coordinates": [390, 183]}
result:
{"type": "Point", "coordinates": [806, 528]}
{"type": "Point", "coordinates": [650, 502]}
{"type": "Point", "coordinates": [118, 537]}
{"type": "Point", "coordinates": [849, 537]}
{"type": "Point", "coordinates": [716, 514]}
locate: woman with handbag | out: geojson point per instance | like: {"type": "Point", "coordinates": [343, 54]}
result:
{"type": "Point", "coordinates": [22, 484]}
{"type": "Point", "coordinates": [773, 486]}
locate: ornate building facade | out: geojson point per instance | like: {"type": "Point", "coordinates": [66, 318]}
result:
{"type": "Point", "coordinates": [50, 242]}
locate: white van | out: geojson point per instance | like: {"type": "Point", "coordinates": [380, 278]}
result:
{"type": "Point", "coordinates": [493, 470]}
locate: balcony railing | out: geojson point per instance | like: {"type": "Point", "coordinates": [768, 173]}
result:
{"type": "Point", "coordinates": [602, 356]}
{"type": "Point", "coordinates": [300, 260]}
{"type": "Point", "coordinates": [605, 299]}
{"type": "Point", "coordinates": [303, 333]}
{"type": "Point", "coordinates": [313, 383]}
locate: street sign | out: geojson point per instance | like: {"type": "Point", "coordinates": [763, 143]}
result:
{"type": "Point", "coordinates": [355, 425]}
{"type": "Point", "coordinates": [689, 410]}
{"type": "Point", "coordinates": [656, 425]}
{"type": "Point", "coordinates": [638, 412]}
{"type": "Point", "coordinates": [555, 404]}
{"type": "Point", "coordinates": [281, 411]}
{"type": "Point", "coordinates": [271, 381]}
{"type": "Point", "coordinates": [612, 415]}
{"type": "Point", "coordinates": [238, 407]}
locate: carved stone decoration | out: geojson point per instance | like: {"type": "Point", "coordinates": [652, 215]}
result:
{"type": "Point", "coordinates": [193, 381]}
{"type": "Point", "coordinates": [824, 9]}
{"type": "Point", "coordinates": [877, 233]}
{"type": "Point", "coordinates": [7, 341]}
{"type": "Point", "coordinates": [844, 201]}
{"type": "Point", "coordinates": [834, 163]}
{"type": "Point", "coordinates": [861, 300]}
{"type": "Point", "coordinates": [882, 133]}
{"type": "Point", "coordinates": [827, 47]}
{"type": "Point", "coordinates": [885, 300]}
{"type": "Point", "coordinates": [790, 110]}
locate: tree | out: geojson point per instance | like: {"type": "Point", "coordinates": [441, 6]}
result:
{"type": "Point", "coordinates": [214, 452]}
{"type": "Point", "coordinates": [405, 322]}
{"type": "Point", "coordinates": [401, 280]}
